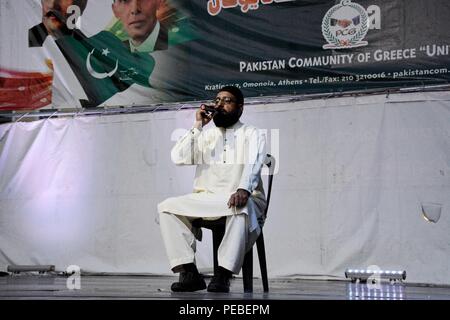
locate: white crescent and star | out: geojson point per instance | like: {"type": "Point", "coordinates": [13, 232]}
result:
{"type": "Point", "coordinates": [96, 74]}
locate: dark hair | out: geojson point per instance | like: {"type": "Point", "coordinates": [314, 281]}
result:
{"type": "Point", "coordinates": [81, 3]}
{"type": "Point", "coordinates": [236, 92]}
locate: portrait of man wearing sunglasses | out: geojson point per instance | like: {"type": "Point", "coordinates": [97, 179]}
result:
{"type": "Point", "coordinates": [228, 159]}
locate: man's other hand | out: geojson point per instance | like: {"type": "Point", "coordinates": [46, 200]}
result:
{"type": "Point", "coordinates": [239, 198]}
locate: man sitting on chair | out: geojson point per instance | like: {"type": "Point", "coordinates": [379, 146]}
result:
{"type": "Point", "coordinates": [227, 183]}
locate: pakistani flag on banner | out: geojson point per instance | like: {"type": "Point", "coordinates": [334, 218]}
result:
{"type": "Point", "coordinates": [104, 65]}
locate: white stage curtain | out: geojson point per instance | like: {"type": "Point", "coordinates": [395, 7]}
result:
{"type": "Point", "coordinates": [353, 173]}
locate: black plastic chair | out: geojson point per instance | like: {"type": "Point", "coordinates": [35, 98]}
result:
{"type": "Point", "coordinates": [218, 230]}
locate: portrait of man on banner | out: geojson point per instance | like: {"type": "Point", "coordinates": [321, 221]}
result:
{"type": "Point", "coordinates": [140, 22]}
{"type": "Point", "coordinates": [149, 25]}
{"type": "Point", "coordinates": [59, 18]}
{"type": "Point", "coordinates": [161, 29]}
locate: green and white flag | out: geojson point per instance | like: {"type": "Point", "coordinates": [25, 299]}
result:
{"type": "Point", "coordinates": [104, 65]}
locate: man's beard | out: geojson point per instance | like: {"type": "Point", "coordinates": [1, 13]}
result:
{"type": "Point", "coordinates": [226, 119]}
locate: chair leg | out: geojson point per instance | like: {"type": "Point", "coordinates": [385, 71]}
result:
{"type": "Point", "coordinates": [247, 271]}
{"type": "Point", "coordinates": [262, 261]}
{"type": "Point", "coordinates": [217, 234]}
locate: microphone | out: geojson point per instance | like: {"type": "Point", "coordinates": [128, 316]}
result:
{"type": "Point", "coordinates": [210, 110]}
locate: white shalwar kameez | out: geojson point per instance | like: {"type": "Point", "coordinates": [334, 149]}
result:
{"type": "Point", "coordinates": [227, 160]}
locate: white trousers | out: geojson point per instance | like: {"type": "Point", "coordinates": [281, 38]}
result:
{"type": "Point", "coordinates": [180, 242]}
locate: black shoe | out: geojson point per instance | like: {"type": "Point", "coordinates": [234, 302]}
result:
{"type": "Point", "coordinates": [189, 282]}
{"type": "Point", "coordinates": [220, 282]}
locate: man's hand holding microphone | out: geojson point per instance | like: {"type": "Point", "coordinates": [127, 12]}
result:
{"type": "Point", "coordinates": [204, 115]}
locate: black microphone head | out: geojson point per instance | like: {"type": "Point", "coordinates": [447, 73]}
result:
{"type": "Point", "coordinates": [210, 110]}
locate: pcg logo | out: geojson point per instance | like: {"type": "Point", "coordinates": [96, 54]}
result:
{"type": "Point", "coordinates": [346, 24]}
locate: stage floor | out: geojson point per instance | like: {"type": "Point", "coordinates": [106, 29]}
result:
{"type": "Point", "coordinates": [55, 287]}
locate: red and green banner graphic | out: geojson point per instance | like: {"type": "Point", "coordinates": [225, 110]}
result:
{"type": "Point", "coordinates": [25, 90]}
{"type": "Point", "coordinates": [58, 54]}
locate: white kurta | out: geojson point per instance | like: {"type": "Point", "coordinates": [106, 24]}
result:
{"type": "Point", "coordinates": [226, 160]}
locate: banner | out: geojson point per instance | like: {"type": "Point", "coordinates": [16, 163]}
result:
{"type": "Point", "coordinates": [83, 53]}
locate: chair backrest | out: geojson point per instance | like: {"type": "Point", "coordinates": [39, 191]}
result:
{"type": "Point", "coordinates": [269, 161]}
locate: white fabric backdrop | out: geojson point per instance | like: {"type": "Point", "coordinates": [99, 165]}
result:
{"type": "Point", "coordinates": [352, 175]}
